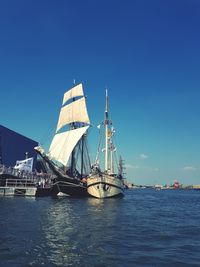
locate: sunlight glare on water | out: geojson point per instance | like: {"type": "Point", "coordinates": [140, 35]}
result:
{"type": "Point", "coordinates": [146, 228]}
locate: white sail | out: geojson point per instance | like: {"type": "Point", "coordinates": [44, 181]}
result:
{"type": "Point", "coordinates": [74, 112]}
{"type": "Point", "coordinates": [63, 144]}
{"type": "Point", "coordinates": [74, 92]}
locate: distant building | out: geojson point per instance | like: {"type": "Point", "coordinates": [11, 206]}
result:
{"type": "Point", "coordinates": [176, 184]}
{"type": "Point", "coordinates": [14, 146]}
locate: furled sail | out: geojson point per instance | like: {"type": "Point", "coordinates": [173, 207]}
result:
{"type": "Point", "coordinates": [63, 144]}
{"type": "Point", "coordinates": [74, 112]}
{"type": "Point", "coordinates": [74, 92]}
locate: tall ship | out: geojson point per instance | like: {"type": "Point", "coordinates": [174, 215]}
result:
{"type": "Point", "coordinates": [106, 183]}
{"type": "Point", "coordinates": [68, 156]}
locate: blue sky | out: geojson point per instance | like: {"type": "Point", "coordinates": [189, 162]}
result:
{"type": "Point", "coordinates": [145, 52]}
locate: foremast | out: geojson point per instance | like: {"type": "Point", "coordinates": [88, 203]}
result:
{"type": "Point", "coordinates": [106, 133]}
{"type": "Point", "coordinates": [109, 145]}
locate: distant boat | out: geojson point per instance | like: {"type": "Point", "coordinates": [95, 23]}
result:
{"type": "Point", "coordinates": [68, 155]}
{"type": "Point", "coordinates": [196, 187]}
{"type": "Point", "coordinates": [107, 183]}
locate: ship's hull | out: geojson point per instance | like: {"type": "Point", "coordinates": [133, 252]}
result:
{"type": "Point", "coordinates": [70, 188]}
{"type": "Point", "coordinates": [105, 186]}
{"type": "Point", "coordinates": [64, 183]}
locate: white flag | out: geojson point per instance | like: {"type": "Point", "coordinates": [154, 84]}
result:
{"type": "Point", "coordinates": [24, 165]}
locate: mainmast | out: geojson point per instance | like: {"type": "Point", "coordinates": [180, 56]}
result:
{"type": "Point", "coordinates": [111, 157]}
{"type": "Point", "coordinates": [82, 150]}
{"type": "Point", "coordinates": [106, 133]}
{"type": "Point", "coordinates": [72, 126]}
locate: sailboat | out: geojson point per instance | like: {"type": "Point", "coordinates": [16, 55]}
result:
{"type": "Point", "coordinates": [68, 156]}
{"type": "Point", "coordinates": [107, 183]}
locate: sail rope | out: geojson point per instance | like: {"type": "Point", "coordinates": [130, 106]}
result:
{"type": "Point", "coordinates": [99, 145]}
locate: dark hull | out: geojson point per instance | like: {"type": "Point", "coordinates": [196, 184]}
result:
{"type": "Point", "coordinates": [45, 192]}
{"type": "Point", "coordinates": [65, 183]}
{"type": "Point", "coordinates": [72, 188]}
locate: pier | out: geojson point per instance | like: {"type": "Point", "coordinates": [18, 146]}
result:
{"type": "Point", "coordinates": [15, 183]}
{"type": "Point", "coordinates": [18, 187]}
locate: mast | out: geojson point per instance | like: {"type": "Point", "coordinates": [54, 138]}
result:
{"type": "Point", "coordinates": [111, 158]}
{"type": "Point", "coordinates": [106, 133]}
{"type": "Point", "coordinates": [72, 167]}
{"type": "Point", "coordinates": [72, 126]}
{"type": "Point", "coordinates": [82, 147]}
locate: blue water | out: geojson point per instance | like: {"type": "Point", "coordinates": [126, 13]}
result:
{"type": "Point", "coordinates": [146, 228]}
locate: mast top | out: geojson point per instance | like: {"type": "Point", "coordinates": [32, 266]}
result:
{"type": "Point", "coordinates": [106, 110]}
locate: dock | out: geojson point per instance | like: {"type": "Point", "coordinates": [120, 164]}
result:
{"type": "Point", "coordinates": [18, 187]}
{"type": "Point", "coordinates": [24, 184]}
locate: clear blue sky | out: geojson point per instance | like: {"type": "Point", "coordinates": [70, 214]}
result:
{"type": "Point", "coordinates": [147, 53]}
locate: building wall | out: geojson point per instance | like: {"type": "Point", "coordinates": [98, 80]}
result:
{"type": "Point", "coordinates": [13, 147]}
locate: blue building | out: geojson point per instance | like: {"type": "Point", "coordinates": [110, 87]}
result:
{"type": "Point", "coordinates": [14, 146]}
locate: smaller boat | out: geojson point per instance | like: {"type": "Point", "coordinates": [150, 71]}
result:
{"type": "Point", "coordinates": [107, 183]}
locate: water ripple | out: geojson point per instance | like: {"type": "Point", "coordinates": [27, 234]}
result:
{"type": "Point", "coordinates": [146, 228]}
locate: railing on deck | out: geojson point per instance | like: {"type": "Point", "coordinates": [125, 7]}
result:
{"type": "Point", "coordinates": [20, 183]}
{"type": "Point", "coordinates": [26, 179]}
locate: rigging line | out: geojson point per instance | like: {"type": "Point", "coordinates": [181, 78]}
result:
{"type": "Point", "coordinates": [87, 162]}
{"type": "Point", "coordinates": [87, 152]}
{"type": "Point", "coordinates": [82, 146]}
{"type": "Point", "coordinates": [99, 145]}
{"type": "Point", "coordinates": [116, 160]}
{"type": "Point", "coordinates": [47, 135]}
{"type": "Point", "coordinates": [75, 155]}
{"type": "Point", "coordinates": [86, 147]}
{"type": "Point", "coordinates": [116, 152]}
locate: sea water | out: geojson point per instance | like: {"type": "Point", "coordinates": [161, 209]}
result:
{"type": "Point", "coordinates": [145, 228]}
